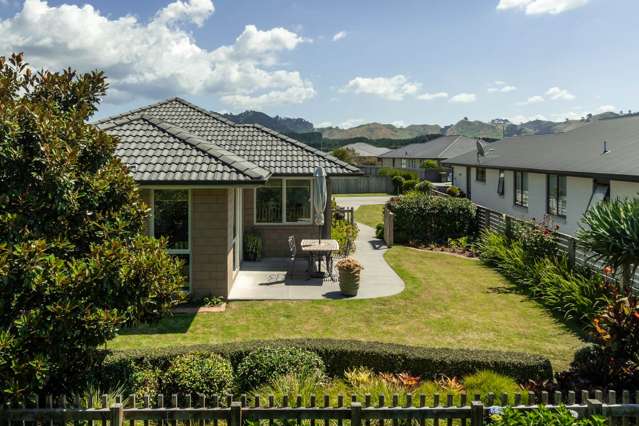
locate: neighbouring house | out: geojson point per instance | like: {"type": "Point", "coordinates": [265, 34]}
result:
{"type": "Point", "coordinates": [367, 154]}
{"type": "Point", "coordinates": [412, 156]}
{"type": "Point", "coordinates": [554, 178]}
{"type": "Point", "coordinates": [208, 180]}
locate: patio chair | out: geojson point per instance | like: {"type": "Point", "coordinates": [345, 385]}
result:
{"type": "Point", "coordinates": [292, 247]}
{"type": "Point", "coordinates": [332, 258]}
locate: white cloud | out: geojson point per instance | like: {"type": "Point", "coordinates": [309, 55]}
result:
{"type": "Point", "coordinates": [390, 88]}
{"type": "Point", "coordinates": [352, 122]}
{"type": "Point", "coordinates": [463, 98]}
{"type": "Point", "coordinates": [571, 115]}
{"type": "Point", "coordinates": [323, 124]}
{"type": "Point", "coordinates": [399, 123]}
{"type": "Point", "coordinates": [502, 88]}
{"type": "Point", "coordinates": [340, 35]}
{"type": "Point", "coordinates": [518, 119]}
{"type": "Point", "coordinates": [432, 96]}
{"type": "Point", "coordinates": [532, 100]}
{"type": "Point", "coordinates": [608, 108]}
{"type": "Point", "coordinates": [158, 58]}
{"type": "Point", "coordinates": [555, 93]}
{"type": "Point", "coordinates": [538, 7]}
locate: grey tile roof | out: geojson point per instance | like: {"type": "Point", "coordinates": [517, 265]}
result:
{"type": "Point", "coordinates": [437, 149]}
{"type": "Point", "coordinates": [366, 150]}
{"type": "Point", "coordinates": [577, 152]}
{"type": "Point", "coordinates": [159, 152]}
{"type": "Point", "coordinates": [266, 148]}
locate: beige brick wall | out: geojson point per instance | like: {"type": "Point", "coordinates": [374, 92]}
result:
{"type": "Point", "coordinates": [275, 237]}
{"type": "Point", "coordinates": [210, 242]}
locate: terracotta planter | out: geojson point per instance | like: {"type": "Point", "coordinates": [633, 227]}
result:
{"type": "Point", "coordinates": [349, 282]}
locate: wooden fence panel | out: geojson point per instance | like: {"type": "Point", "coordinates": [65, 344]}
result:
{"type": "Point", "coordinates": [362, 185]}
{"type": "Point", "coordinates": [460, 409]}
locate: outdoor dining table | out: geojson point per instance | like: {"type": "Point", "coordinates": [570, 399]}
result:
{"type": "Point", "coordinates": [318, 248]}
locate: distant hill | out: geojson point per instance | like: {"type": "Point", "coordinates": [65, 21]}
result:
{"type": "Point", "coordinates": [381, 131]}
{"type": "Point", "coordinates": [277, 123]}
{"type": "Point", "coordinates": [390, 136]}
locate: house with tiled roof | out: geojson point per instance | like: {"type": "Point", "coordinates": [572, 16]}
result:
{"type": "Point", "coordinates": [208, 180]}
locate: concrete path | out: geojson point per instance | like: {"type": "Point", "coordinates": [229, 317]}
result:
{"type": "Point", "coordinates": [361, 201]}
{"type": "Point", "coordinates": [268, 280]}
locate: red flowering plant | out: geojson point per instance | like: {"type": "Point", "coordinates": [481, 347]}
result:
{"type": "Point", "coordinates": [538, 240]}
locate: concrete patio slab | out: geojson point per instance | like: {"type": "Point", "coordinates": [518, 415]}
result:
{"type": "Point", "coordinates": [269, 280]}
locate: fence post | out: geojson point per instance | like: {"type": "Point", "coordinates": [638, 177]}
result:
{"type": "Point", "coordinates": [356, 414]}
{"type": "Point", "coordinates": [236, 413]}
{"type": "Point", "coordinates": [477, 414]}
{"type": "Point", "coordinates": [117, 415]}
{"type": "Point", "coordinates": [572, 252]}
{"type": "Point", "coordinates": [594, 407]}
{"type": "Point", "coordinates": [508, 227]}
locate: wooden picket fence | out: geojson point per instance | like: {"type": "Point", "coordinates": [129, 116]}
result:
{"type": "Point", "coordinates": [418, 411]}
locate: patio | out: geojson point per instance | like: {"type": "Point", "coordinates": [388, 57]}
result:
{"type": "Point", "coordinates": [269, 280]}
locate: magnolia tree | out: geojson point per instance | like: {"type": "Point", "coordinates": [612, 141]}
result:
{"type": "Point", "coordinates": [74, 263]}
{"type": "Point", "coordinates": [611, 231]}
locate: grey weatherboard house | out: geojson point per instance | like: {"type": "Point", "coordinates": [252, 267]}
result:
{"type": "Point", "coordinates": [556, 177]}
{"type": "Point", "coordinates": [208, 180]}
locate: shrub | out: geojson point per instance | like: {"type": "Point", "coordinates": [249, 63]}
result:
{"type": "Point", "coordinates": [575, 293]}
{"type": "Point", "coordinates": [264, 364]}
{"type": "Point", "coordinates": [145, 381]}
{"type": "Point", "coordinates": [485, 382]}
{"type": "Point", "coordinates": [345, 233]}
{"type": "Point", "coordinates": [252, 246]}
{"type": "Point", "coordinates": [75, 266]}
{"type": "Point", "coordinates": [379, 231]}
{"type": "Point", "coordinates": [424, 186]}
{"type": "Point", "coordinates": [341, 355]}
{"type": "Point", "coordinates": [454, 191]}
{"type": "Point", "coordinates": [541, 416]}
{"type": "Point", "coordinates": [202, 373]}
{"type": "Point", "coordinates": [428, 219]}
{"type": "Point", "coordinates": [398, 183]}
{"type": "Point", "coordinates": [406, 174]}
{"type": "Point", "coordinates": [538, 241]}
{"type": "Point", "coordinates": [409, 185]}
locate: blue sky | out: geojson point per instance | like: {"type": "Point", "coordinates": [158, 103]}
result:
{"type": "Point", "coordinates": [345, 62]}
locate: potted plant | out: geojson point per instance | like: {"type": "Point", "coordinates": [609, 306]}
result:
{"type": "Point", "coordinates": [349, 275]}
{"type": "Point", "coordinates": [252, 246]}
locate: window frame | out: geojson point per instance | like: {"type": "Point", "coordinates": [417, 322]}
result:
{"type": "Point", "coordinates": [483, 169]}
{"type": "Point", "coordinates": [284, 221]}
{"type": "Point", "coordinates": [515, 191]}
{"type": "Point", "coordinates": [556, 193]}
{"type": "Point", "coordinates": [190, 228]}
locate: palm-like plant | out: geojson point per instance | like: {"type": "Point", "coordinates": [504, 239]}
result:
{"type": "Point", "coordinates": [611, 231]}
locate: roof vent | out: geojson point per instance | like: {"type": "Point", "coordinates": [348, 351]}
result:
{"type": "Point", "coordinates": [605, 148]}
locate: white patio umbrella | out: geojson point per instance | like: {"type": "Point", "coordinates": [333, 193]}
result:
{"type": "Point", "coordinates": [319, 198]}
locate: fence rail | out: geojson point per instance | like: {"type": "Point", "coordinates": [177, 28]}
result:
{"type": "Point", "coordinates": [421, 410]}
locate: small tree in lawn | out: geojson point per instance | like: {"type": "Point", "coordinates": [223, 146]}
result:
{"type": "Point", "coordinates": [611, 231]}
{"type": "Point", "coordinates": [74, 264]}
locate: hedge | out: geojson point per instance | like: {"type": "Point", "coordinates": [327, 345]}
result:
{"type": "Point", "coordinates": [423, 218]}
{"type": "Point", "coordinates": [341, 355]}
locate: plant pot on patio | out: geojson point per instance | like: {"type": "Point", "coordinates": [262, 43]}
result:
{"type": "Point", "coordinates": [349, 275]}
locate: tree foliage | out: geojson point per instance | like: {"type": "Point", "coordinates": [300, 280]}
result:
{"type": "Point", "coordinates": [74, 264]}
{"type": "Point", "coordinates": [611, 230]}
{"type": "Point", "coordinates": [347, 155]}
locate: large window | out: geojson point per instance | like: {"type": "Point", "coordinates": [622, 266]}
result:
{"type": "Point", "coordinates": [480, 174]}
{"type": "Point", "coordinates": [521, 189]}
{"type": "Point", "coordinates": [283, 201]}
{"type": "Point", "coordinates": [171, 221]}
{"type": "Point", "coordinates": [556, 195]}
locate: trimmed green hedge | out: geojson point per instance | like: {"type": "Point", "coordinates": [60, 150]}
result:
{"type": "Point", "coordinates": [423, 218]}
{"type": "Point", "coordinates": [341, 355]}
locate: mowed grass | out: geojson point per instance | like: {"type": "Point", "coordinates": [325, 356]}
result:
{"type": "Point", "coordinates": [370, 215]}
{"type": "Point", "coordinates": [448, 302]}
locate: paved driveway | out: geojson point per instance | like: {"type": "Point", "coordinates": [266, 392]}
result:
{"type": "Point", "coordinates": [361, 201]}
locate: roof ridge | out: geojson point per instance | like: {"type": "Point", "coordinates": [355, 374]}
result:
{"type": "Point", "coordinates": [225, 156]}
{"type": "Point", "coordinates": [134, 111]}
{"type": "Point", "coordinates": [451, 144]}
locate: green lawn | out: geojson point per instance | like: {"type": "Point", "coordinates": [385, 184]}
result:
{"type": "Point", "coordinates": [370, 194]}
{"type": "Point", "coordinates": [448, 302]}
{"type": "Point", "coordinates": [370, 215]}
